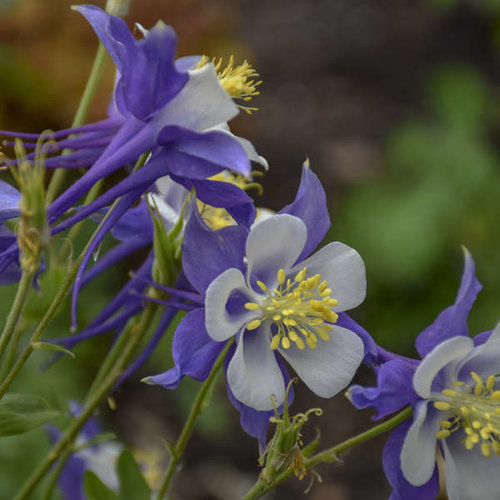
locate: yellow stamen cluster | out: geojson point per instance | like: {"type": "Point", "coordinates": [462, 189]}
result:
{"type": "Point", "coordinates": [300, 308]}
{"type": "Point", "coordinates": [216, 217]}
{"type": "Point", "coordinates": [239, 81]}
{"type": "Point", "coordinates": [476, 409]}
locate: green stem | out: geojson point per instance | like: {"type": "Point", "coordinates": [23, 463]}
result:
{"type": "Point", "coordinates": [54, 305]}
{"type": "Point", "coordinates": [56, 472]}
{"type": "Point", "coordinates": [16, 310]}
{"type": "Point", "coordinates": [187, 430]}
{"type": "Point", "coordinates": [80, 116]}
{"type": "Point", "coordinates": [330, 455]}
{"type": "Point", "coordinates": [133, 333]}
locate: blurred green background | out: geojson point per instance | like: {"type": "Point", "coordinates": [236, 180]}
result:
{"type": "Point", "coordinates": [397, 106]}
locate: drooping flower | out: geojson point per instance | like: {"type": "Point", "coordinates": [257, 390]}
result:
{"type": "Point", "coordinates": [262, 287]}
{"type": "Point", "coordinates": [456, 406]}
{"type": "Point", "coordinates": [173, 109]}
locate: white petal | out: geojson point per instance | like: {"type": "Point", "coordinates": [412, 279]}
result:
{"type": "Point", "coordinates": [330, 367]}
{"type": "Point", "coordinates": [102, 460]}
{"type": "Point", "coordinates": [253, 374]}
{"type": "Point", "coordinates": [167, 213]}
{"type": "Point", "coordinates": [201, 104]}
{"type": "Point", "coordinates": [418, 455]}
{"type": "Point", "coordinates": [219, 323]}
{"type": "Point", "coordinates": [450, 352]}
{"type": "Point", "coordinates": [485, 359]}
{"type": "Point", "coordinates": [273, 244]}
{"type": "Point", "coordinates": [344, 270]}
{"type": "Point", "coordinates": [470, 475]}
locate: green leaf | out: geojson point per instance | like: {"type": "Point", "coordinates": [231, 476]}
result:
{"type": "Point", "coordinates": [47, 346]}
{"type": "Point", "coordinates": [21, 413]}
{"type": "Point", "coordinates": [95, 489]}
{"type": "Point", "coordinates": [132, 482]}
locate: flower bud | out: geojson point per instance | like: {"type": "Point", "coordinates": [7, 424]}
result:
{"type": "Point", "coordinates": [33, 228]}
{"type": "Point", "coordinates": [285, 451]}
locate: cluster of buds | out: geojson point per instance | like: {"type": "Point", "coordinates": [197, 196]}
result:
{"type": "Point", "coordinates": [286, 450]}
{"type": "Point", "coordinates": [33, 228]}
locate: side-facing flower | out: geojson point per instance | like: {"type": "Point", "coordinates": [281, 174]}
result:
{"type": "Point", "coordinates": [459, 408]}
{"type": "Point", "coordinates": [456, 406]}
{"type": "Point", "coordinates": [174, 110]}
{"type": "Point", "coordinates": [262, 287]}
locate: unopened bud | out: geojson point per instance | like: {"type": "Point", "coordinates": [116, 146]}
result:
{"type": "Point", "coordinates": [33, 229]}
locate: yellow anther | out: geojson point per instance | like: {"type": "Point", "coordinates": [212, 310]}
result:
{"type": "Point", "coordinates": [293, 336]}
{"type": "Point", "coordinates": [475, 438]}
{"type": "Point", "coordinates": [331, 316]}
{"type": "Point", "coordinates": [285, 342]}
{"type": "Point", "coordinates": [490, 382]}
{"type": "Point", "coordinates": [275, 342]}
{"type": "Point", "coordinates": [486, 449]}
{"type": "Point", "coordinates": [281, 276]}
{"type": "Point", "coordinates": [442, 434]}
{"type": "Point", "coordinates": [300, 344]}
{"type": "Point", "coordinates": [442, 405]}
{"type": "Point", "coordinates": [237, 80]}
{"type": "Point", "coordinates": [485, 434]}
{"type": "Point", "coordinates": [469, 444]}
{"type": "Point", "coordinates": [262, 286]}
{"type": "Point", "coordinates": [254, 324]}
{"type": "Point", "coordinates": [326, 292]}
{"type": "Point", "coordinates": [310, 343]}
{"type": "Point", "coordinates": [464, 411]}
{"type": "Point", "coordinates": [449, 392]}
{"type": "Point", "coordinates": [323, 334]}
{"type": "Point", "coordinates": [300, 275]}
{"type": "Point", "coordinates": [252, 306]}
{"type": "Point", "coordinates": [276, 317]}
{"type": "Point", "coordinates": [476, 424]}
{"type": "Point", "coordinates": [445, 424]}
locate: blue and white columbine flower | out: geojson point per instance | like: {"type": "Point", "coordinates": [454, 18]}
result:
{"type": "Point", "coordinates": [261, 286]}
{"type": "Point", "coordinates": [284, 305]}
{"type": "Point", "coordinates": [456, 406]}
{"type": "Point", "coordinates": [459, 408]}
{"type": "Point", "coordinates": [177, 110]}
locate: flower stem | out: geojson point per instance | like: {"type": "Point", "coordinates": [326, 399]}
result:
{"type": "Point", "coordinates": [16, 310]}
{"type": "Point", "coordinates": [330, 455]}
{"type": "Point", "coordinates": [80, 116]}
{"type": "Point", "coordinates": [133, 334]}
{"type": "Point", "coordinates": [54, 305]}
{"type": "Point", "coordinates": [187, 430]}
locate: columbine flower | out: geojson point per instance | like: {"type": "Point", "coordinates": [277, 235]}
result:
{"type": "Point", "coordinates": [100, 458]}
{"type": "Point", "coordinates": [173, 109]}
{"type": "Point", "coordinates": [459, 408]}
{"type": "Point", "coordinates": [456, 406]}
{"type": "Point", "coordinates": [260, 286]}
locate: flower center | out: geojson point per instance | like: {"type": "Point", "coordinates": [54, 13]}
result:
{"type": "Point", "coordinates": [238, 81]}
{"type": "Point", "coordinates": [476, 409]}
{"type": "Point", "coordinates": [300, 309]}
